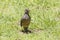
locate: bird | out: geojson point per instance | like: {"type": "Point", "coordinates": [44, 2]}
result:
{"type": "Point", "coordinates": [25, 20]}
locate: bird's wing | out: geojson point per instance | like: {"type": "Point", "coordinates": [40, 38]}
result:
{"type": "Point", "coordinates": [21, 22]}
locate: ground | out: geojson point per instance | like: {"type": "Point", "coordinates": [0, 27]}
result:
{"type": "Point", "coordinates": [45, 19]}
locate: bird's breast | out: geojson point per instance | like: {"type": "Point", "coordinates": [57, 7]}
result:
{"type": "Point", "coordinates": [25, 16]}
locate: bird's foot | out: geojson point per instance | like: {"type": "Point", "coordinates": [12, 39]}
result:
{"type": "Point", "coordinates": [26, 31]}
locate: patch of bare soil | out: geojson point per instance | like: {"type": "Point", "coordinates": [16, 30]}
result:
{"type": "Point", "coordinates": [37, 30]}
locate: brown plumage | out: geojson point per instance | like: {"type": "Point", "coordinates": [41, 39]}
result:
{"type": "Point", "coordinates": [25, 20]}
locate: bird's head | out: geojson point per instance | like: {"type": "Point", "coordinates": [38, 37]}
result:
{"type": "Point", "coordinates": [26, 11]}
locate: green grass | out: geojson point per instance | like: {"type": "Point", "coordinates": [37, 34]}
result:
{"type": "Point", "coordinates": [45, 19]}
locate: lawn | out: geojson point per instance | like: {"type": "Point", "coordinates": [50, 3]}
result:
{"type": "Point", "coordinates": [45, 19]}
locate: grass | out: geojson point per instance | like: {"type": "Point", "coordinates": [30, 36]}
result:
{"type": "Point", "coordinates": [45, 19]}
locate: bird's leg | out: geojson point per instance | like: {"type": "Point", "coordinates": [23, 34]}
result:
{"type": "Point", "coordinates": [25, 29]}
